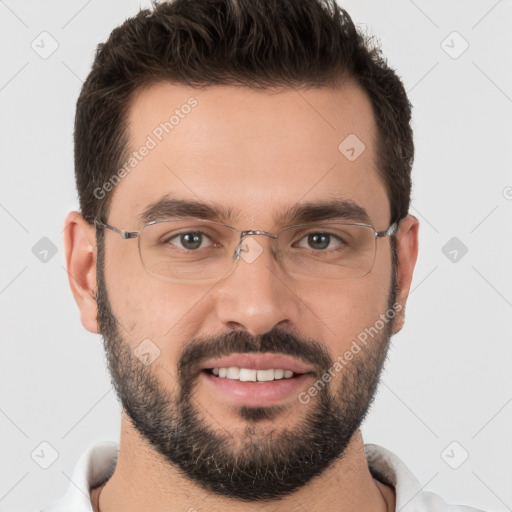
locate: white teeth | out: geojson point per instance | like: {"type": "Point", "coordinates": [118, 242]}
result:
{"type": "Point", "coordinates": [278, 374]}
{"type": "Point", "coordinates": [233, 373]}
{"type": "Point", "coordinates": [247, 375]}
{"type": "Point", "coordinates": [265, 375]}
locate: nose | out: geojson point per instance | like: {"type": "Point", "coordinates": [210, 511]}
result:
{"type": "Point", "coordinates": [257, 295]}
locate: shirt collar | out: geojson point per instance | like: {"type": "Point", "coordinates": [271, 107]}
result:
{"type": "Point", "coordinates": [97, 465]}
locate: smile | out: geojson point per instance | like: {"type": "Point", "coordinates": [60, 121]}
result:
{"type": "Point", "coordinates": [250, 375]}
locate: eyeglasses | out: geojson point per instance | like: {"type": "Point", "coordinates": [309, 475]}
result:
{"type": "Point", "coordinates": [189, 249]}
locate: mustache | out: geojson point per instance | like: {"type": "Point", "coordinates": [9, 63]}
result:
{"type": "Point", "coordinates": [278, 341]}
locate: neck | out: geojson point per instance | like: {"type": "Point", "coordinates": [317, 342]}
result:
{"type": "Point", "coordinates": [151, 483]}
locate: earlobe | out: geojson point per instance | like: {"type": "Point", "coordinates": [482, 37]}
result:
{"type": "Point", "coordinates": [407, 254]}
{"type": "Point", "coordinates": [80, 250]}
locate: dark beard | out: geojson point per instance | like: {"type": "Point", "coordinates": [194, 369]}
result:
{"type": "Point", "coordinates": [257, 466]}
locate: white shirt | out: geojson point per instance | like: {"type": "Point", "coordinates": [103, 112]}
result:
{"type": "Point", "coordinates": [97, 465]}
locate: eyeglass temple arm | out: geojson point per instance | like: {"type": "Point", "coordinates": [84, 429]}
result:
{"type": "Point", "coordinates": [123, 234]}
{"type": "Point", "coordinates": [388, 232]}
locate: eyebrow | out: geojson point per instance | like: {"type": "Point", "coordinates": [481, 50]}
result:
{"type": "Point", "coordinates": [333, 209]}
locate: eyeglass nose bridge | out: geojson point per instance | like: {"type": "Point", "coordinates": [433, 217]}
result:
{"type": "Point", "coordinates": [250, 232]}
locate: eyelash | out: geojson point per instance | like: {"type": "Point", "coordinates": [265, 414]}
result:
{"type": "Point", "coordinates": [303, 236]}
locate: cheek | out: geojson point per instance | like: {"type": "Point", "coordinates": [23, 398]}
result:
{"type": "Point", "coordinates": [152, 309]}
{"type": "Point", "coordinates": [146, 306]}
{"type": "Point", "coordinates": [336, 314]}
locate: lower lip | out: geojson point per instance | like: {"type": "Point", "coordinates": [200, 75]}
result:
{"type": "Point", "coordinates": [257, 393]}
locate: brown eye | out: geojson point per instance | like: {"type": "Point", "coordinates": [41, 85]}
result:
{"type": "Point", "coordinates": [189, 241]}
{"type": "Point", "coordinates": [319, 241]}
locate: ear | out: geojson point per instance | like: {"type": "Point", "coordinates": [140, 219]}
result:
{"type": "Point", "coordinates": [80, 249]}
{"type": "Point", "coordinates": [407, 253]}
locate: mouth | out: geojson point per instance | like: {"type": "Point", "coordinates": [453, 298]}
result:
{"type": "Point", "coordinates": [253, 366]}
{"type": "Point", "coordinates": [252, 375]}
{"type": "Point", "coordinates": [256, 379]}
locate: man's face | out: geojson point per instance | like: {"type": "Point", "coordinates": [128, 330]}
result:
{"type": "Point", "coordinates": [258, 155]}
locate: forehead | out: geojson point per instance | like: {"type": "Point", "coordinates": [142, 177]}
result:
{"type": "Point", "coordinates": [253, 152]}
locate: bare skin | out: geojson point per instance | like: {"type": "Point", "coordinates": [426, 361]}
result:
{"type": "Point", "coordinates": [256, 153]}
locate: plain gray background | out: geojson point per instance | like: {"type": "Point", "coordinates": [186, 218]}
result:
{"type": "Point", "coordinates": [446, 392]}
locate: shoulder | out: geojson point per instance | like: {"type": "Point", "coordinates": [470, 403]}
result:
{"type": "Point", "coordinates": [94, 467]}
{"type": "Point", "coordinates": [386, 467]}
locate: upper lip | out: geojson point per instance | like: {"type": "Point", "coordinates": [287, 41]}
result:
{"type": "Point", "coordinates": [257, 361]}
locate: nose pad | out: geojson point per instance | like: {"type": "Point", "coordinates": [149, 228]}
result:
{"type": "Point", "coordinates": [248, 249]}
{"type": "Point", "coordinates": [237, 252]}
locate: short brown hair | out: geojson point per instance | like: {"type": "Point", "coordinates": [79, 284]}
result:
{"type": "Point", "coordinates": [253, 43]}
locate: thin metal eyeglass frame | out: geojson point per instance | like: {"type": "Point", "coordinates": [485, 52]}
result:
{"type": "Point", "coordinates": [126, 235]}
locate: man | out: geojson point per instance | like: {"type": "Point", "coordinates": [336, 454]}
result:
{"type": "Point", "coordinates": [245, 249]}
